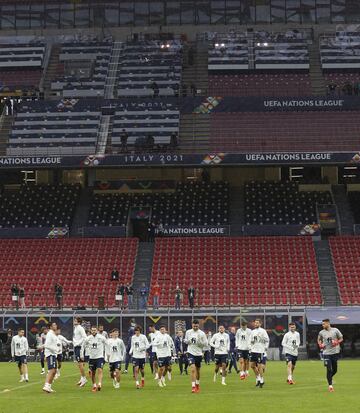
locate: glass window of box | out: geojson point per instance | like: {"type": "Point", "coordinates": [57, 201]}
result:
{"type": "Point", "coordinates": [172, 12]}
{"type": "Point", "coordinates": [217, 12]}
{"type": "Point", "coordinates": [126, 13]}
{"type": "Point", "coordinates": [262, 11]}
{"type": "Point", "coordinates": [353, 11]}
{"type": "Point", "coordinates": [278, 11]}
{"type": "Point", "coordinates": [111, 14]}
{"type": "Point", "coordinates": [187, 12]}
{"type": "Point", "coordinates": [247, 11]}
{"type": "Point", "coordinates": [142, 13]}
{"type": "Point", "coordinates": [232, 11]}
{"type": "Point", "coordinates": [338, 11]}
{"type": "Point", "coordinates": [8, 17]}
{"type": "Point", "coordinates": [293, 11]}
{"type": "Point", "coordinates": [37, 16]}
{"type": "Point", "coordinates": [67, 15]}
{"type": "Point", "coordinates": [22, 16]}
{"type": "Point", "coordinates": [157, 13]}
{"type": "Point", "coordinates": [82, 14]}
{"type": "Point", "coordinates": [323, 11]}
{"type": "Point", "coordinates": [202, 12]}
{"type": "Point", "coordinates": [308, 11]}
{"type": "Point", "coordinates": [52, 15]}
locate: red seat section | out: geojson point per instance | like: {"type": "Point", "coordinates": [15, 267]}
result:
{"type": "Point", "coordinates": [246, 271]}
{"type": "Point", "coordinates": [81, 266]}
{"type": "Point", "coordinates": [345, 253]}
{"type": "Point", "coordinates": [266, 84]}
{"type": "Point", "coordinates": [285, 131]}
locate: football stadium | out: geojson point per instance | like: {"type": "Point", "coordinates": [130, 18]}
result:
{"type": "Point", "coordinates": [179, 206]}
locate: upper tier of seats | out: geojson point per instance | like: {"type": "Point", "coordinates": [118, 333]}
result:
{"type": "Point", "coordinates": [345, 253]}
{"type": "Point", "coordinates": [243, 271]}
{"type": "Point", "coordinates": [274, 203]}
{"type": "Point", "coordinates": [39, 206]}
{"type": "Point", "coordinates": [54, 128]}
{"type": "Point", "coordinates": [341, 51]}
{"type": "Point", "coordinates": [285, 131]}
{"type": "Point", "coordinates": [150, 68]}
{"type": "Point", "coordinates": [81, 266]}
{"type": "Point", "coordinates": [192, 203]}
{"type": "Point", "coordinates": [87, 66]}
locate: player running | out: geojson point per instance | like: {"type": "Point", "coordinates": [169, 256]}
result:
{"type": "Point", "coordinates": [196, 341]}
{"type": "Point", "coordinates": [152, 353]}
{"type": "Point", "coordinates": [63, 342]}
{"type": "Point", "coordinates": [259, 343]}
{"type": "Point", "coordinates": [78, 339]}
{"type": "Point", "coordinates": [51, 346]}
{"type": "Point", "coordinates": [40, 341]}
{"type": "Point", "coordinates": [243, 337]}
{"type": "Point", "coordinates": [164, 349]}
{"type": "Point", "coordinates": [329, 341]}
{"type": "Point", "coordinates": [221, 344]}
{"type": "Point", "coordinates": [291, 343]}
{"type": "Point", "coordinates": [139, 345]}
{"type": "Point", "coordinates": [19, 352]}
{"type": "Point", "coordinates": [95, 348]}
{"type": "Point", "coordinates": [115, 351]}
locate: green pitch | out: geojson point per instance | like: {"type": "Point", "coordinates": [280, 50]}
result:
{"type": "Point", "coordinates": [308, 395]}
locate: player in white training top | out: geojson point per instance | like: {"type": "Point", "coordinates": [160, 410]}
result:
{"type": "Point", "coordinates": [291, 344]}
{"type": "Point", "coordinates": [152, 353]}
{"type": "Point", "coordinates": [220, 342]}
{"type": "Point", "coordinates": [19, 352]}
{"type": "Point", "coordinates": [63, 343]}
{"type": "Point", "coordinates": [78, 339]}
{"type": "Point", "coordinates": [139, 345]}
{"type": "Point", "coordinates": [242, 343]}
{"type": "Point", "coordinates": [196, 341]}
{"type": "Point", "coordinates": [51, 346]}
{"type": "Point", "coordinates": [165, 348]}
{"type": "Point", "coordinates": [115, 353]}
{"type": "Point", "coordinates": [259, 343]}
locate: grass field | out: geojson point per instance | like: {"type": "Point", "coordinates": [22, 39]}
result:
{"type": "Point", "coordinates": [308, 395]}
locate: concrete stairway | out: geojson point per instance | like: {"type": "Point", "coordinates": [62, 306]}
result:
{"type": "Point", "coordinates": [344, 210]}
{"type": "Point", "coordinates": [143, 269]}
{"type": "Point", "coordinates": [5, 128]}
{"type": "Point", "coordinates": [236, 217]}
{"type": "Point", "coordinates": [198, 72]}
{"type": "Point", "coordinates": [81, 213]}
{"type": "Point", "coordinates": [111, 80]}
{"type": "Point", "coordinates": [103, 134]}
{"type": "Point", "coordinates": [327, 275]}
{"type": "Point", "coordinates": [52, 71]}
{"type": "Point", "coordinates": [194, 133]}
{"type": "Point", "coordinates": [318, 83]}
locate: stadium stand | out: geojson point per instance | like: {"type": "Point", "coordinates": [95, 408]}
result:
{"type": "Point", "coordinates": [54, 128]}
{"type": "Point", "coordinates": [341, 51]}
{"type": "Point", "coordinates": [193, 203]}
{"type": "Point", "coordinates": [138, 123]}
{"type": "Point", "coordinates": [86, 65]}
{"type": "Point", "coordinates": [247, 271]}
{"type": "Point", "coordinates": [228, 52]}
{"type": "Point", "coordinates": [81, 266]}
{"type": "Point", "coordinates": [39, 206]}
{"type": "Point", "coordinates": [285, 131]}
{"type": "Point", "coordinates": [150, 68]}
{"type": "Point", "coordinates": [273, 203]}
{"type": "Point", "coordinates": [345, 252]}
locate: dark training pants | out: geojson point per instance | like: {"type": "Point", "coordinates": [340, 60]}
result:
{"type": "Point", "coordinates": [331, 364]}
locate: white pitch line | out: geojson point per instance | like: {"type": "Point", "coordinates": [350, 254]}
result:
{"type": "Point", "coordinates": [35, 383]}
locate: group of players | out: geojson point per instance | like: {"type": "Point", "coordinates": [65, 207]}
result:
{"type": "Point", "coordinates": [95, 348]}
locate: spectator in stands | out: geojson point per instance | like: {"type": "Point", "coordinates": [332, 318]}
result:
{"type": "Point", "coordinates": [174, 140]}
{"type": "Point", "coordinates": [193, 89]}
{"type": "Point", "coordinates": [183, 90]}
{"type": "Point", "coordinates": [356, 88]}
{"type": "Point", "coordinates": [9, 106]}
{"type": "Point", "coordinates": [114, 275]}
{"type": "Point", "coordinates": [178, 297]}
{"type": "Point", "coordinates": [121, 293]}
{"type": "Point", "coordinates": [332, 88]}
{"type": "Point", "coordinates": [22, 297]}
{"type": "Point", "coordinates": [151, 231]}
{"type": "Point", "coordinates": [150, 142]}
{"type": "Point", "coordinates": [15, 295]}
{"type": "Point", "coordinates": [129, 290]}
{"type": "Point", "coordinates": [156, 295]}
{"type": "Point", "coordinates": [9, 336]}
{"type": "Point", "coordinates": [176, 89]}
{"type": "Point", "coordinates": [58, 295]}
{"type": "Point", "coordinates": [191, 296]}
{"type": "Point", "coordinates": [205, 176]}
{"type": "Point", "coordinates": [124, 138]}
{"type": "Point", "coordinates": [160, 230]}
{"type": "Point", "coordinates": [347, 88]}
{"type": "Point", "coordinates": [155, 88]}
{"type": "Point", "coordinates": [143, 293]}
